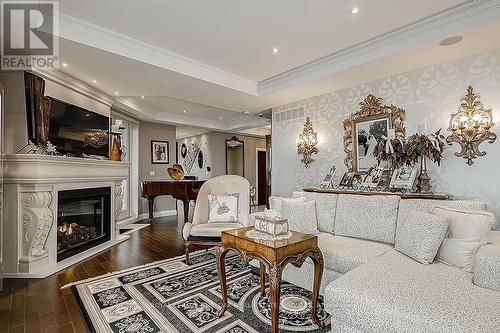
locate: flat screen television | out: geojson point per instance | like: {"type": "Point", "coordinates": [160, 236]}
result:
{"type": "Point", "coordinates": [77, 131]}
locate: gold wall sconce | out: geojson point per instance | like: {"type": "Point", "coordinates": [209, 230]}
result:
{"type": "Point", "coordinates": [470, 126]}
{"type": "Point", "coordinates": [306, 145]}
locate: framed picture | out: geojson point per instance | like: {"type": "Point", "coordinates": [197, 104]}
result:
{"type": "Point", "coordinates": [328, 180]}
{"type": "Point", "coordinates": [347, 179]}
{"type": "Point", "coordinates": [372, 177]}
{"type": "Point", "coordinates": [367, 133]}
{"type": "Point", "coordinates": [159, 152]}
{"type": "Point", "coordinates": [183, 150]}
{"type": "Point", "coordinates": [404, 177]}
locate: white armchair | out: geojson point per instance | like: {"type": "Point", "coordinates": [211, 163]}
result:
{"type": "Point", "coordinates": [199, 231]}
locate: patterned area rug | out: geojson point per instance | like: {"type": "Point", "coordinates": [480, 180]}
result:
{"type": "Point", "coordinates": [169, 296]}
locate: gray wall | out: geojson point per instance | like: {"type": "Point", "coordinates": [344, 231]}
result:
{"type": "Point", "coordinates": [155, 131]}
{"type": "Point", "coordinates": [212, 145]}
{"type": "Point", "coordinates": [429, 96]}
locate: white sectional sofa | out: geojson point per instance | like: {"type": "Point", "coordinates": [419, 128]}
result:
{"type": "Point", "coordinates": [369, 286]}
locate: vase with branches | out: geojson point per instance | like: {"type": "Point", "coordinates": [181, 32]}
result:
{"type": "Point", "coordinates": [419, 148]}
{"type": "Point", "coordinates": [390, 150]}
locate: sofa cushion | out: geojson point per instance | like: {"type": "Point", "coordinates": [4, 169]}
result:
{"type": "Point", "coordinates": [467, 231]}
{"type": "Point", "coordinates": [421, 235]}
{"type": "Point", "coordinates": [394, 293]}
{"type": "Point", "coordinates": [301, 216]}
{"type": "Point", "coordinates": [487, 267]}
{"type": "Point", "coordinates": [213, 229]}
{"type": "Point", "coordinates": [426, 206]}
{"type": "Point", "coordinates": [367, 217]}
{"type": "Point", "coordinates": [341, 254]}
{"type": "Point", "coordinates": [326, 205]}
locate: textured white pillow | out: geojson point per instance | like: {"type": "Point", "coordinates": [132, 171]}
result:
{"type": "Point", "coordinates": [420, 235]}
{"type": "Point", "coordinates": [276, 203]}
{"type": "Point", "coordinates": [222, 207]}
{"type": "Point", "coordinates": [301, 215]}
{"type": "Point", "coordinates": [467, 231]}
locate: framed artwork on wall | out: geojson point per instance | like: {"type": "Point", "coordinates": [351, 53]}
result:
{"type": "Point", "coordinates": [159, 152]}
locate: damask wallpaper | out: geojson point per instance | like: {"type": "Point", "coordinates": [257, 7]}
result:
{"type": "Point", "coordinates": [429, 96]}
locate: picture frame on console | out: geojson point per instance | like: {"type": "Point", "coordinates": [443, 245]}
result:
{"type": "Point", "coordinates": [159, 152]}
{"type": "Point", "coordinates": [405, 177]}
{"type": "Point", "coordinates": [346, 180]}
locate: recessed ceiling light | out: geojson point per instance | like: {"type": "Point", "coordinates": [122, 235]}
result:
{"type": "Point", "coordinates": [95, 81]}
{"type": "Point", "coordinates": [354, 11]}
{"type": "Point", "coordinates": [116, 92]}
{"type": "Point", "coordinates": [184, 111]}
{"type": "Point", "coordinates": [246, 112]}
{"type": "Point", "coordinates": [220, 118]}
{"type": "Point", "coordinates": [65, 64]}
{"type": "Point", "coordinates": [143, 97]}
{"type": "Point", "coordinates": [451, 40]}
{"type": "Point", "coordinates": [275, 50]}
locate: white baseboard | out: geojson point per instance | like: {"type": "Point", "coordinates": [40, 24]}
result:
{"type": "Point", "coordinates": [163, 213]}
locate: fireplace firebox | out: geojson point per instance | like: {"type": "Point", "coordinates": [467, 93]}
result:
{"type": "Point", "coordinates": [83, 220]}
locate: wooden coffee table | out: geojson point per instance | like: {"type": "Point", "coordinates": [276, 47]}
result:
{"type": "Point", "coordinates": [275, 255]}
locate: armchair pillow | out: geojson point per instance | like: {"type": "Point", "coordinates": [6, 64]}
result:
{"type": "Point", "coordinates": [222, 207]}
{"type": "Point", "coordinates": [420, 236]}
{"type": "Point", "coordinates": [467, 231]}
{"type": "Point", "coordinates": [301, 215]}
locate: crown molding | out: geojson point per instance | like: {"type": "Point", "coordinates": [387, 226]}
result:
{"type": "Point", "coordinates": [428, 29]}
{"type": "Point", "coordinates": [73, 83]}
{"type": "Point", "coordinates": [95, 36]}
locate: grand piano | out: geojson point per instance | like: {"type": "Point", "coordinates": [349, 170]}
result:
{"type": "Point", "coordinates": [185, 190]}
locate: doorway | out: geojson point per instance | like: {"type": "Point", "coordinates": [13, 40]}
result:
{"type": "Point", "coordinates": [261, 177]}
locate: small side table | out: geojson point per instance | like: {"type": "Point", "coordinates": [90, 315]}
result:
{"type": "Point", "coordinates": [274, 255]}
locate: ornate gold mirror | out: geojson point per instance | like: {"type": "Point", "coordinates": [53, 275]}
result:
{"type": "Point", "coordinates": [363, 128]}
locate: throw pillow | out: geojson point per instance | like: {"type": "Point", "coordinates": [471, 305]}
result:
{"type": "Point", "coordinates": [276, 204]}
{"type": "Point", "coordinates": [223, 207]}
{"type": "Point", "coordinates": [467, 231]}
{"type": "Point", "coordinates": [420, 235]}
{"type": "Point", "coordinates": [301, 215]}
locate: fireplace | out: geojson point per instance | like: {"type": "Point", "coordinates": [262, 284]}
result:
{"type": "Point", "coordinates": [83, 220]}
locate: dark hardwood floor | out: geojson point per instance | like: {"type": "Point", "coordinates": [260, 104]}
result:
{"type": "Point", "coordinates": [39, 305]}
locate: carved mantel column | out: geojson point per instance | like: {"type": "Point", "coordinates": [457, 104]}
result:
{"type": "Point", "coordinates": [37, 221]}
{"type": "Point", "coordinates": [118, 202]}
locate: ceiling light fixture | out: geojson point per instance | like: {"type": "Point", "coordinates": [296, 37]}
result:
{"type": "Point", "coordinates": [94, 81]}
{"type": "Point", "coordinates": [65, 64]}
{"type": "Point", "coordinates": [451, 41]}
{"type": "Point", "coordinates": [246, 112]}
{"type": "Point", "coordinates": [184, 111]}
{"type": "Point", "coordinates": [142, 96]}
{"type": "Point", "coordinates": [354, 11]}
{"type": "Point", "coordinates": [220, 118]}
{"type": "Point", "coordinates": [116, 92]}
{"type": "Point", "coordinates": [275, 50]}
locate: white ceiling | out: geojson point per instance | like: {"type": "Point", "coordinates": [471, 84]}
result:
{"type": "Point", "coordinates": [213, 58]}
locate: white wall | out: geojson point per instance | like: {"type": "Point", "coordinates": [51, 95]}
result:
{"type": "Point", "coordinates": [429, 96]}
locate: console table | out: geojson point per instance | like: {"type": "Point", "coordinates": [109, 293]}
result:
{"type": "Point", "coordinates": [275, 255]}
{"type": "Point", "coordinates": [184, 190]}
{"type": "Point", "coordinates": [432, 196]}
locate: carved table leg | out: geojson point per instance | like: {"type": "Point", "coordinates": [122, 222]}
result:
{"type": "Point", "coordinates": [262, 272]}
{"type": "Point", "coordinates": [275, 291]}
{"type": "Point", "coordinates": [317, 258]}
{"type": "Point", "coordinates": [221, 269]}
{"type": "Point", "coordinates": [151, 201]}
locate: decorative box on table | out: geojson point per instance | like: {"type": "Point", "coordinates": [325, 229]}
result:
{"type": "Point", "coordinates": [274, 226]}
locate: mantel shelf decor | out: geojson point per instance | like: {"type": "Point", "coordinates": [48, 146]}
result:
{"type": "Point", "coordinates": [306, 145]}
{"type": "Point", "coordinates": [470, 126]}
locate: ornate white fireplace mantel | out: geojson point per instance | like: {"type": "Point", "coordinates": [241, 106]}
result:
{"type": "Point", "coordinates": [31, 186]}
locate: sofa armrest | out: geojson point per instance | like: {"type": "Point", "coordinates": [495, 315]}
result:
{"type": "Point", "coordinates": [487, 267]}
